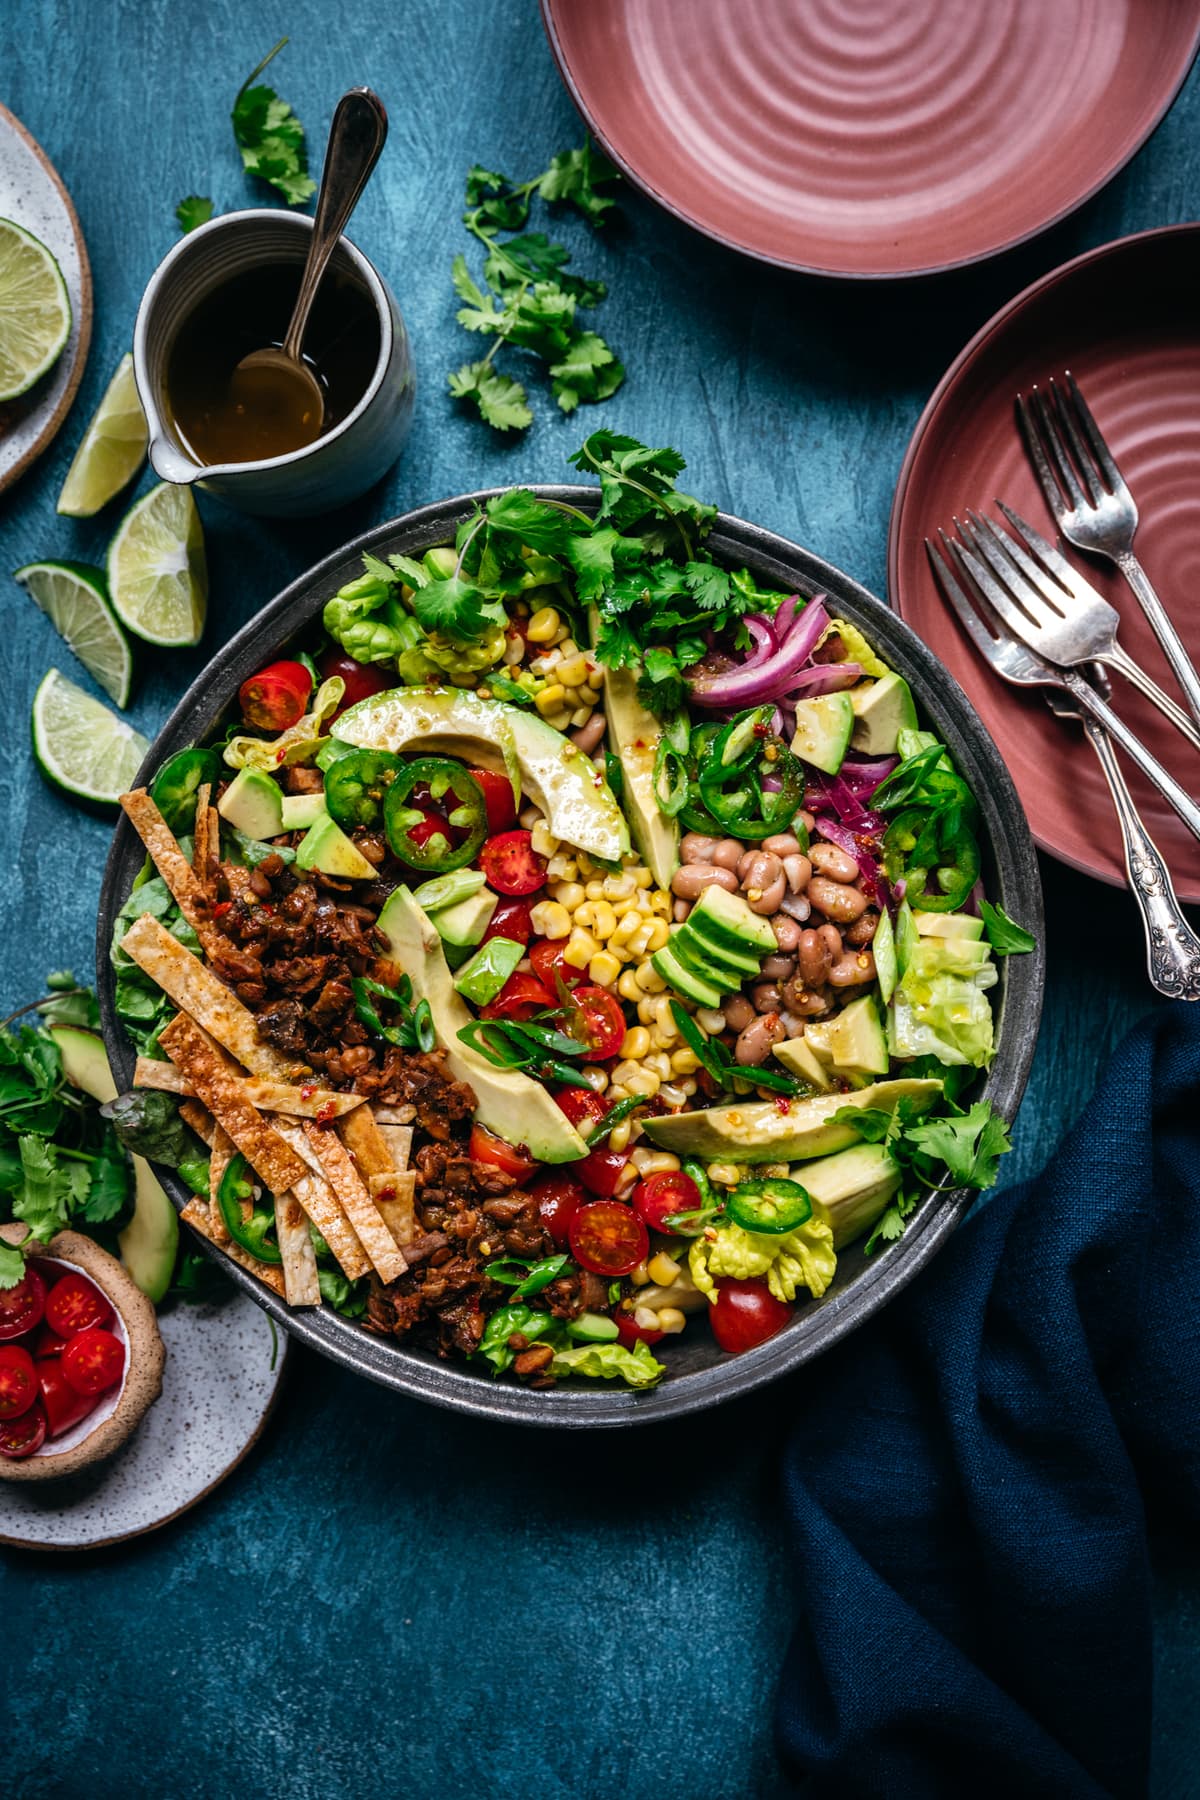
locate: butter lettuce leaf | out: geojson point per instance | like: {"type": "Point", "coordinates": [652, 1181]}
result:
{"type": "Point", "coordinates": [941, 1008]}
{"type": "Point", "coordinates": [858, 650]}
{"type": "Point", "coordinates": [789, 1260]}
{"type": "Point", "coordinates": [638, 1368]}
{"type": "Point", "coordinates": [298, 744]}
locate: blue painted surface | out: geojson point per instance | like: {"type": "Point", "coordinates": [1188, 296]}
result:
{"type": "Point", "coordinates": [386, 1597]}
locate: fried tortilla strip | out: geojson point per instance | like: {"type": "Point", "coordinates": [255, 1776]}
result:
{"type": "Point", "coordinates": [200, 1120]}
{"type": "Point", "coordinates": [260, 1090]}
{"type": "Point", "coordinates": [218, 1082]}
{"type": "Point", "coordinates": [196, 1215]}
{"type": "Point", "coordinates": [393, 1197]}
{"type": "Point", "coordinates": [361, 1135]}
{"type": "Point", "coordinates": [398, 1139]}
{"type": "Point", "coordinates": [346, 1182]}
{"type": "Point", "coordinates": [394, 1115]}
{"type": "Point", "coordinates": [323, 1206]}
{"type": "Point", "coordinates": [174, 867]}
{"type": "Point", "coordinates": [223, 1154]}
{"type": "Point", "coordinates": [200, 838]}
{"type": "Point", "coordinates": [197, 992]}
{"type": "Point", "coordinates": [300, 1284]}
{"type": "Point", "coordinates": [148, 1072]}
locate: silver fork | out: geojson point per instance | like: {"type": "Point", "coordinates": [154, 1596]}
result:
{"type": "Point", "coordinates": [1106, 518]}
{"type": "Point", "coordinates": [1017, 663]}
{"type": "Point", "coordinates": [1050, 607]}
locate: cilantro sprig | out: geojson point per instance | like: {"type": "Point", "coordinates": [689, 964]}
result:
{"type": "Point", "coordinates": [1006, 937]}
{"type": "Point", "coordinates": [271, 137]}
{"type": "Point", "coordinates": [196, 209]}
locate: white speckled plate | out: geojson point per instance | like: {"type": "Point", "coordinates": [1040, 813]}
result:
{"type": "Point", "coordinates": [224, 1367]}
{"type": "Point", "coordinates": [32, 194]}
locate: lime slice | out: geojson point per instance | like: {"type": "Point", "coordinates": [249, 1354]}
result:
{"type": "Point", "coordinates": [112, 449]}
{"type": "Point", "coordinates": [81, 746]}
{"type": "Point", "coordinates": [157, 577]}
{"type": "Point", "coordinates": [75, 600]}
{"type": "Point", "coordinates": [35, 312]}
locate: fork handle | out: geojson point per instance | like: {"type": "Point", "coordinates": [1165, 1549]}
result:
{"type": "Point", "coordinates": [1172, 947]}
{"type": "Point", "coordinates": [1181, 663]}
{"type": "Point", "coordinates": [1120, 659]}
{"type": "Point", "coordinates": [1133, 747]}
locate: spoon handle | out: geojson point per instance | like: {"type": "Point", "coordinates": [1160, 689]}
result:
{"type": "Point", "coordinates": [356, 137]}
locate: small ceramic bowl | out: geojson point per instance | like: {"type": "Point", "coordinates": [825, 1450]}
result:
{"type": "Point", "coordinates": [343, 462]}
{"type": "Point", "coordinates": [119, 1412]}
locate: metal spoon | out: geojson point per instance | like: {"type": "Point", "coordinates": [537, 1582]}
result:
{"type": "Point", "coordinates": [277, 376]}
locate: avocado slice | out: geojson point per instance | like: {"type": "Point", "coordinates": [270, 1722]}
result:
{"type": "Point", "coordinates": [856, 1039]}
{"type": "Point", "coordinates": [511, 1104]}
{"type": "Point", "coordinates": [326, 847]}
{"type": "Point", "coordinates": [724, 968]}
{"type": "Point", "coordinates": [464, 923]}
{"type": "Point", "coordinates": [823, 727]}
{"type": "Point", "coordinates": [579, 806]}
{"type": "Point", "coordinates": [633, 737]}
{"type": "Point", "coordinates": [726, 919]}
{"type": "Point", "coordinates": [798, 1055]}
{"type": "Point", "coordinates": [684, 980]}
{"type": "Point", "coordinates": [481, 978]}
{"type": "Point", "coordinates": [301, 810]}
{"type": "Point", "coordinates": [853, 1186]}
{"type": "Point", "coordinates": [882, 710]}
{"type": "Point", "coordinates": [253, 803]}
{"type": "Point", "coordinates": [758, 1131]}
{"type": "Point", "coordinates": [949, 925]}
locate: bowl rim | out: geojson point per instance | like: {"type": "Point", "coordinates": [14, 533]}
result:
{"type": "Point", "coordinates": [1007, 842]}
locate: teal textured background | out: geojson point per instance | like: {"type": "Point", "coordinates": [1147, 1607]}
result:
{"type": "Point", "coordinates": [386, 1597]}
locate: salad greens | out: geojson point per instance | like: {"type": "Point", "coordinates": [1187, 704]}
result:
{"type": "Point", "coordinates": [1006, 937]}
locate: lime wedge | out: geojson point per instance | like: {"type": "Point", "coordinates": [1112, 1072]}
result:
{"type": "Point", "coordinates": [35, 312]}
{"type": "Point", "coordinates": [112, 449]}
{"type": "Point", "coordinates": [80, 746]}
{"type": "Point", "coordinates": [157, 577]}
{"type": "Point", "coordinates": [75, 600]}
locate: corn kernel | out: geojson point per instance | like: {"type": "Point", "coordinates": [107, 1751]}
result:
{"type": "Point", "coordinates": [627, 1179]}
{"type": "Point", "coordinates": [649, 979]}
{"type": "Point", "coordinates": [596, 1078]}
{"type": "Point", "coordinates": [640, 1276]}
{"type": "Point", "coordinates": [571, 895]}
{"type": "Point", "coordinates": [724, 1174]}
{"type": "Point", "coordinates": [665, 1018]}
{"type": "Point", "coordinates": [619, 887]}
{"type": "Point", "coordinates": [572, 670]}
{"type": "Point", "coordinates": [657, 1039]}
{"type": "Point", "coordinates": [628, 987]}
{"type": "Point", "coordinates": [550, 919]}
{"type": "Point", "coordinates": [581, 947]}
{"type": "Point", "coordinates": [684, 1062]}
{"type": "Point", "coordinates": [543, 625]}
{"type": "Point", "coordinates": [646, 1317]}
{"type": "Point", "coordinates": [775, 1171]}
{"type": "Point", "coordinates": [566, 644]}
{"type": "Point", "coordinates": [619, 1136]}
{"type": "Point", "coordinates": [529, 817]}
{"type": "Point", "coordinates": [623, 907]}
{"type": "Point", "coordinates": [542, 840]}
{"type": "Point", "coordinates": [628, 925]}
{"type": "Point", "coordinates": [580, 716]}
{"type": "Point", "coordinates": [670, 1320]}
{"type": "Point", "coordinates": [655, 1162]}
{"type": "Point", "coordinates": [616, 1091]}
{"type": "Point", "coordinates": [710, 1020]}
{"type": "Point", "coordinates": [605, 921]}
{"type": "Point", "coordinates": [673, 1096]}
{"type": "Point", "coordinates": [663, 1269]}
{"type": "Point", "coordinates": [628, 1065]}
{"type": "Point", "coordinates": [643, 878]}
{"type": "Point", "coordinates": [659, 935]}
{"type": "Point", "coordinates": [644, 1082]}
{"type": "Point", "coordinates": [661, 902]}
{"type": "Point", "coordinates": [514, 649]}
{"type": "Point", "coordinates": [549, 701]}
{"type": "Point", "coordinates": [604, 969]}
{"type": "Point", "coordinates": [660, 1063]}
{"type": "Point", "coordinates": [560, 720]}
{"type": "Point", "coordinates": [645, 1010]}
{"type": "Point", "coordinates": [639, 943]}
{"type": "Point", "coordinates": [687, 1086]}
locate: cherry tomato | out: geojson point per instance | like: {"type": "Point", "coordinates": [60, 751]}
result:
{"type": "Point", "coordinates": [361, 679]}
{"type": "Point", "coordinates": [559, 1199]}
{"type": "Point", "coordinates": [22, 1437]}
{"type": "Point", "coordinates": [73, 1304]}
{"type": "Point", "coordinates": [583, 1106]}
{"type": "Point", "coordinates": [603, 1171]}
{"type": "Point", "coordinates": [18, 1381]}
{"type": "Point", "coordinates": [631, 1333]}
{"type": "Point", "coordinates": [46, 1343]}
{"type": "Point", "coordinates": [608, 1238]}
{"type": "Point", "coordinates": [432, 825]}
{"type": "Point", "coordinates": [520, 998]}
{"type": "Point", "coordinates": [656, 1198]}
{"type": "Point", "coordinates": [511, 919]}
{"type": "Point", "coordinates": [498, 795]}
{"type": "Point", "coordinates": [597, 1020]}
{"type": "Point", "coordinates": [486, 1147]}
{"type": "Point", "coordinates": [93, 1360]}
{"type": "Point", "coordinates": [511, 865]}
{"type": "Point", "coordinates": [64, 1407]}
{"type": "Point", "coordinates": [547, 960]}
{"type": "Point", "coordinates": [746, 1313]}
{"type": "Point", "coordinates": [276, 697]}
{"type": "Point", "coordinates": [22, 1306]}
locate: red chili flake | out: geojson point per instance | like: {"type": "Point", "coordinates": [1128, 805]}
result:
{"type": "Point", "coordinates": [761, 730]}
{"type": "Point", "coordinates": [386, 1193]}
{"type": "Point", "coordinates": [221, 908]}
{"type": "Point", "coordinates": [782, 1104]}
{"type": "Point", "coordinates": [280, 756]}
{"type": "Point", "coordinates": [307, 1090]}
{"type": "Point", "coordinates": [326, 1113]}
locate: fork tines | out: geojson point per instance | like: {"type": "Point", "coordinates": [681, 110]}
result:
{"type": "Point", "coordinates": [1048, 423]}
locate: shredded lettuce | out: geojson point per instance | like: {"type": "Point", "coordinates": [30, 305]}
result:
{"type": "Point", "coordinates": [790, 1259]}
{"type": "Point", "coordinates": [638, 1368]}
{"type": "Point", "coordinates": [298, 744]}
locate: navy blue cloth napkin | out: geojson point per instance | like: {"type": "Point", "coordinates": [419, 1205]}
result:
{"type": "Point", "coordinates": [968, 1482]}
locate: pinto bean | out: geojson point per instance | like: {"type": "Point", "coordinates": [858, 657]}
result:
{"type": "Point", "coordinates": [778, 968]}
{"type": "Point", "coordinates": [832, 860]}
{"type": "Point", "coordinates": [853, 969]}
{"type": "Point", "coordinates": [793, 1025]}
{"type": "Point", "coordinates": [680, 910]}
{"type": "Point", "coordinates": [798, 870]}
{"type": "Point", "coordinates": [738, 1012]}
{"type": "Point", "coordinates": [754, 1045]}
{"type": "Point", "coordinates": [763, 881]}
{"type": "Point", "coordinates": [694, 847]}
{"type": "Point", "coordinates": [728, 853]}
{"type": "Point", "coordinates": [787, 933]}
{"type": "Point", "coordinates": [782, 844]}
{"type": "Point", "coordinates": [837, 900]}
{"type": "Point", "coordinates": [807, 819]}
{"type": "Point", "coordinates": [804, 1001]}
{"type": "Point", "coordinates": [766, 997]}
{"type": "Point", "coordinates": [690, 881]}
{"type": "Point", "coordinates": [862, 930]}
{"type": "Point", "coordinates": [818, 950]}
{"type": "Point", "coordinates": [796, 906]}
{"type": "Point", "coordinates": [589, 736]}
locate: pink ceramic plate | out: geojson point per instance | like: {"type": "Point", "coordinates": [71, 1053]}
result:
{"type": "Point", "coordinates": [872, 137]}
{"type": "Point", "coordinates": [1126, 320]}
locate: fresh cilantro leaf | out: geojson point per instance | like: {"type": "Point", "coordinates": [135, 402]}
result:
{"type": "Point", "coordinates": [49, 1188]}
{"type": "Point", "coordinates": [271, 137]}
{"type": "Point", "coordinates": [1006, 937]}
{"type": "Point", "coordinates": [970, 1145]}
{"type": "Point", "coordinates": [501, 401]}
{"type": "Point", "coordinates": [872, 1123]}
{"type": "Point", "coordinates": [573, 177]}
{"type": "Point", "coordinates": [108, 1193]}
{"type": "Point", "coordinates": [12, 1265]}
{"type": "Point", "coordinates": [590, 372]}
{"type": "Point", "coordinates": [542, 527]}
{"type": "Point", "coordinates": [493, 200]}
{"type": "Point", "coordinates": [197, 209]}
{"type": "Point", "coordinates": [456, 607]}
{"type": "Point", "coordinates": [890, 1223]}
{"type": "Point", "coordinates": [533, 257]}
{"type": "Point", "coordinates": [709, 583]}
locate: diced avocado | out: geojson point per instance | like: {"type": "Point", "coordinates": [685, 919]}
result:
{"type": "Point", "coordinates": [448, 890]}
{"type": "Point", "coordinates": [883, 944]}
{"type": "Point", "coordinates": [325, 846]}
{"type": "Point", "coordinates": [301, 810]}
{"type": "Point", "coordinates": [906, 938]}
{"type": "Point", "coordinates": [85, 1062]}
{"type": "Point", "coordinates": [823, 727]}
{"type": "Point", "coordinates": [759, 1131]}
{"type": "Point", "coordinates": [633, 737]}
{"type": "Point", "coordinates": [481, 979]}
{"type": "Point", "coordinates": [948, 925]}
{"type": "Point", "coordinates": [856, 1039]}
{"type": "Point", "coordinates": [798, 1055]}
{"type": "Point", "coordinates": [853, 1186]}
{"type": "Point", "coordinates": [507, 1102]}
{"type": "Point", "coordinates": [253, 802]}
{"type": "Point", "coordinates": [723, 918]}
{"type": "Point", "coordinates": [579, 806]}
{"type": "Point", "coordinates": [593, 1328]}
{"type": "Point", "coordinates": [882, 710]}
{"type": "Point", "coordinates": [724, 968]}
{"type": "Point", "coordinates": [685, 981]}
{"type": "Point", "coordinates": [465, 922]}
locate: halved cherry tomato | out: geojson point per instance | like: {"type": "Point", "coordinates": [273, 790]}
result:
{"type": "Point", "coordinates": [547, 959]}
{"type": "Point", "coordinates": [498, 797]}
{"type": "Point", "coordinates": [275, 698]}
{"type": "Point", "coordinates": [597, 1020]}
{"type": "Point", "coordinates": [583, 1106]}
{"type": "Point", "coordinates": [64, 1407]}
{"type": "Point", "coordinates": [746, 1313]}
{"type": "Point", "coordinates": [22, 1437]}
{"type": "Point", "coordinates": [631, 1333]}
{"type": "Point", "coordinates": [432, 825]}
{"type": "Point", "coordinates": [656, 1198]}
{"type": "Point", "coordinates": [486, 1147]}
{"type": "Point", "coordinates": [46, 1343]}
{"type": "Point", "coordinates": [18, 1381]}
{"type": "Point", "coordinates": [603, 1171]}
{"type": "Point", "coordinates": [73, 1304]}
{"type": "Point", "coordinates": [608, 1238]}
{"type": "Point", "coordinates": [22, 1306]}
{"type": "Point", "coordinates": [511, 865]}
{"type": "Point", "coordinates": [520, 998]}
{"type": "Point", "coordinates": [361, 679]}
{"type": "Point", "coordinates": [511, 919]}
{"type": "Point", "coordinates": [559, 1199]}
{"type": "Point", "coordinates": [93, 1360]}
